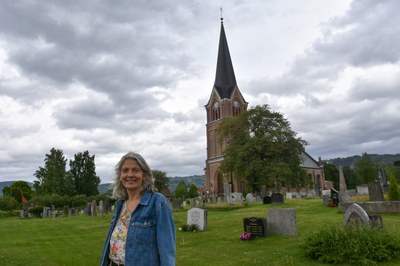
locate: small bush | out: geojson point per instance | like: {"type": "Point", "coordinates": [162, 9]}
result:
{"type": "Point", "coordinates": [189, 228]}
{"type": "Point", "coordinates": [36, 211]}
{"type": "Point", "coordinates": [360, 245]}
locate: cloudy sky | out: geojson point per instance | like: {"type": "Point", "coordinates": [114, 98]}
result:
{"type": "Point", "coordinates": [115, 76]}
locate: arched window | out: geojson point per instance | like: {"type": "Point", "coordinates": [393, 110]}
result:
{"type": "Point", "coordinates": [216, 111]}
{"type": "Point", "coordinates": [236, 108]}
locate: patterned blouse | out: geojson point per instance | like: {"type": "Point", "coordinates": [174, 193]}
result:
{"type": "Point", "coordinates": [118, 237]}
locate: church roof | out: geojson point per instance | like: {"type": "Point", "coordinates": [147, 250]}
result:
{"type": "Point", "coordinates": [225, 80]}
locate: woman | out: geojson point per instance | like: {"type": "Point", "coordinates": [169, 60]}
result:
{"type": "Point", "coordinates": [142, 230]}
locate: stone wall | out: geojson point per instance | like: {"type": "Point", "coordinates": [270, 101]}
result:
{"type": "Point", "coordinates": [374, 206]}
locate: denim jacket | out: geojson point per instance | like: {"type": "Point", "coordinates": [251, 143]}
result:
{"type": "Point", "coordinates": [150, 238]}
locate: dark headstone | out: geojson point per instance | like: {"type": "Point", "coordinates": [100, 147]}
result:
{"type": "Point", "coordinates": [267, 200]}
{"type": "Point", "coordinates": [277, 198]}
{"type": "Point", "coordinates": [256, 226]}
{"type": "Point", "coordinates": [375, 191]}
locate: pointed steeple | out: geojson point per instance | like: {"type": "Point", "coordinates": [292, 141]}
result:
{"type": "Point", "coordinates": [225, 80]}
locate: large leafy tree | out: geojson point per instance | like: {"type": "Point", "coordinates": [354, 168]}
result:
{"type": "Point", "coordinates": [52, 178]}
{"type": "Point", "coordinates": [160, 179]}
{"type": "Point", "coordinates": [83, 174]}
{"type": "Point", "coordinates": [365, 169]}
{"type": "Point", "coordinates": [261, 148]}
{"type": "Point", "coordinates": [18, 190]}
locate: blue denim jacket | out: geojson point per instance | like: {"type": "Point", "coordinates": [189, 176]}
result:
{"type": "Point", "coordinates": [151, 234]}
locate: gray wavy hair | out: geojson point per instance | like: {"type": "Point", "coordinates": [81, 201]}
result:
{"type": "Point", "coordinates": [119, 190]}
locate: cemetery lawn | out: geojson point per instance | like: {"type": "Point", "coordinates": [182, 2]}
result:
{"type": "Point", "coordinates": [78, 240]}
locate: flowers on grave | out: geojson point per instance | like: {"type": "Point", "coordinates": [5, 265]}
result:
{"type": "Point", "coordinates": [331, 205]}
{"type": "Point", "coordinates": [189, 228]}
{"type": "Point", "coordinates": [246, 236]}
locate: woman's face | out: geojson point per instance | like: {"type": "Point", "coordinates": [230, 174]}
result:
{"type": "Point", "coordinates": [131, 175]}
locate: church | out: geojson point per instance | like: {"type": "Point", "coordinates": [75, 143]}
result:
{"type": "Point", "coordinates": [226, 100]}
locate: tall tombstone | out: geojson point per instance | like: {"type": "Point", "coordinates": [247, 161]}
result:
{"type": "Point", "coordinates": [198, 217]}
{"type": "Point", "coordinates": [375, 191]}
{"type": "Point", "coordinates": [106, 205]}
{"type": "Point", "coordinates": [342, 180]}
{"type": "Point", "coordinates": [282, 221]}
{"type": "Point", "coordinates": [277, 198]}
{"type": "Point", "coordinates": [93, 208]}
{"type": "Point", "coordinates": [101, 207]}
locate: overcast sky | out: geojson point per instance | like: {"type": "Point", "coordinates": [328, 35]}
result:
{"type": "Point", "coordinates": [117, 76]}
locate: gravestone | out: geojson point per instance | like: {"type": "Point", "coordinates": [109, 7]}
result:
{"type": "Point", "coordinates": [375, 191]}
{"type": "Point", "coordinates": [93, 208]}
{"type": "Point", "coordinates": [101, 207]}
{"type": "Point", "coordinates": [249, 198]}
{"type": "Point", "coordinates": [277, 198]}
{"type": "Point", "coordinates": [326, 199]}
{"type": "Point", "coordinates": [282, 221]}
{"type": "Point", "coordinates": [344, 196]}
{"type": "Point", "coordinates": [176, 204]}
{"type": "Point", "coordinates": [288, 195]}
{"type": "Point", "coordinates": [362, 190]}
{"type": "Point", "coordinates": [342, 180]}
{"type": "Point", "coordinates": [267, 200]}
{"type": "Point", "coordinates": [198, 217]}
{"type": "Point", "coordinates": [355, 214]}
{"type": "Point", "coordinates": [87, 209]}
{"type": "Point", "coordinates": [192, 203]}
{"type": "Point", "coordinates": [256, 226]}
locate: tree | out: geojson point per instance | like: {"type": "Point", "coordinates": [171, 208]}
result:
{"type": "Point", "coordinates": [331, 174]}
{"type": "Point", "coordinates": [352, 180]}
{"type": "Point", "coordinates": [161, 180]}
{"type": "Point", "coordinates": [8, 203]}
{"type": "Point", "coordinates": [181, 190]}
{"type": "Point", "coordinates": [365, 169]}
{"type": "Point", "coordinates": [18, 190]}
{"type": "Point", "coordinates": [52, 177]}
{"type": "Point", "coordinates": [393, 190]}
{"type": "Point", "coordinates": [193, 191]}
{"type": "Point", "coordinates": [261, 148]}
{"type": "Point", "coordinates": [82, 173]}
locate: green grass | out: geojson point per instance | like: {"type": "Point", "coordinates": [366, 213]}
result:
{"type": "Point", "coordinates": [79, 240]}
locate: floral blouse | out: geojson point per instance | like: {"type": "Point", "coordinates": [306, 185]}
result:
{"type": "Point", "coordinates": [118, 237]}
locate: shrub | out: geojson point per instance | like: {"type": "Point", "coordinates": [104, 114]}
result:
{"type": "Point", "coordinates": [8, 203]}
{"type": "Point", "coordinates": [359, 245]}
{"type": "Point", "coordinates": [189, 228]}
{"type": "Point", "coordinates": [36, 211]}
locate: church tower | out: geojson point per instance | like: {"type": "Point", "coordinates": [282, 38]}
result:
{"type": "Point", "coordinates": [225, 101]}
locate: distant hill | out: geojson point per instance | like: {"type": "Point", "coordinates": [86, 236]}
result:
{"type": "Point", "coordinates": [376, 158]}
{"type": "Point", "coordinates": [198, 180]}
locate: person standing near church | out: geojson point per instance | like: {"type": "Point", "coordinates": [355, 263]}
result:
{"type": "Point", "coordinates": [142, 230]}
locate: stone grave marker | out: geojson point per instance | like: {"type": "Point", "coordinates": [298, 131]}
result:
{"type": "Point", "coordinates": [101, 207]}
{"type": "Point", "coordinates": [277, 198]}
{"type": "Point", "coordinates": [289, 195]}
{"type": "Point", "coordinates": [355, 214]}
{"type": "Point", "coordinates": [282, 221]}
{"type": "Point", "coordinates": [176, 204]}
{"type": "Point", "coordinates": [93, 208]}
{"type": "Point", "coordinates": [267, 200]}
{"type": "Point", "coordinates": [198, 217]}
{"type": "Point", "coordinates": [249, 198]}
{"type": "Point", "coordinates": [256, 226]}
{"type": "Point", "coordinates": [375, 191]}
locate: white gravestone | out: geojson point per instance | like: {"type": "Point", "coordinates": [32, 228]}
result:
{"type": "Point", "coordinates": [198, 217]}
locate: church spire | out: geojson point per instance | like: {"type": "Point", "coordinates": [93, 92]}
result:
{"type": "Point", "coordinates": [225, 80]}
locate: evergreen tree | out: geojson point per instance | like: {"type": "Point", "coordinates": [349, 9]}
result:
{"type": "Point", "coordinates": [83, 174]}
{"type": "Point", "coordinates": [331, 174]}
{"type": "Point", "coordinates": [52, 177]}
